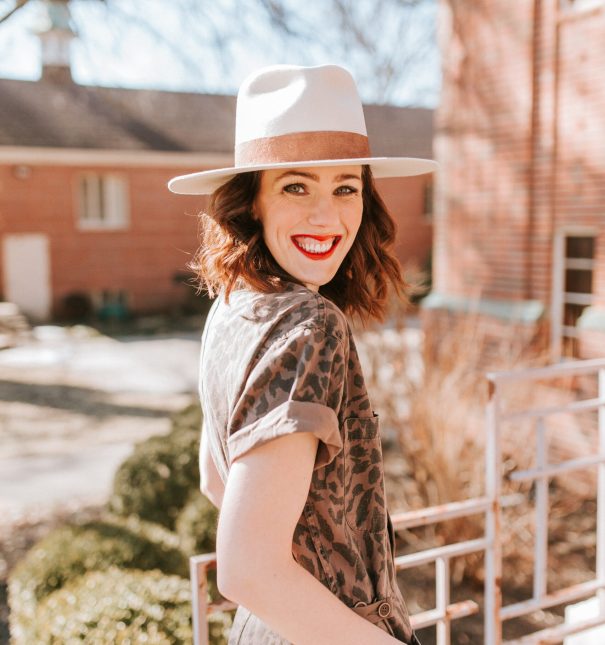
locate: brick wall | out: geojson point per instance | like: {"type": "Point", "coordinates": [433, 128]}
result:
{"type": "Point", "coordinates": [160, 239]}
{"type": "Point", "coordinates": [580, 167]}
{"type": "Point", "coordinates": [483, 144]}
{"type": "Point", "coordinates": [405, 199]}
{"type": "Point", "coordinates": [141, 259]}
{"type": "Point", "coordinates": [519, 135]}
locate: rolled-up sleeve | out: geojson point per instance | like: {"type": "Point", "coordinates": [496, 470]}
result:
{"type": "Point", "coordinates": [297, 385]}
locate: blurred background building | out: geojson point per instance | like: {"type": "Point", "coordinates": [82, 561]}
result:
{"type": "Point", "coordinates": [517, 231]}
{"type": "Point", "coordinates": [520, 197]}
{"type": "Point", "coordinates": [88, 225]}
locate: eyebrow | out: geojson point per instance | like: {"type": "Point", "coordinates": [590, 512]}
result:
{"type": "Point", "coordinates": [314, 177]}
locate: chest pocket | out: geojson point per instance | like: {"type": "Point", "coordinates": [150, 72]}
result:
{"type": "Point", "coordinates": [365, 503]}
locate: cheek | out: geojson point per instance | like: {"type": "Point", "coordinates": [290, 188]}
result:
{"type": "Point", "coordinates": [355, 217]}
{"type": "Point", "coordinates": [271, 232]}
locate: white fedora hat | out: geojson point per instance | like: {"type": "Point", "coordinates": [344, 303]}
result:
{"type": "Point", "coordinates": [289, 116]}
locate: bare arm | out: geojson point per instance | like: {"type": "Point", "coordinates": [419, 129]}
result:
{"type": "Point", "coordinates": [264, 497]}
{"type": "Point", "coordinates": [211, 483]}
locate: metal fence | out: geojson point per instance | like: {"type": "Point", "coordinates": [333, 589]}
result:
{"type": "Point", "coordinates": [495, 613]}
{"type": "Point", "coordinates": [490, 505]}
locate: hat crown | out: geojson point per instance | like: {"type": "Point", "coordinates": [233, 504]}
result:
{"type": "Point", "coordinates": [293, 116]}
{"type": "Point", "coordinates": [286, 99]}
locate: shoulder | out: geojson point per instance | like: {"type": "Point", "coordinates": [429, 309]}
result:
{"type": "Point", "coordinates": [267, 319]}
{"type": "Point", "coordinates": [300, 310]}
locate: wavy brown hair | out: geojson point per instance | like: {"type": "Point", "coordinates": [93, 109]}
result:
{"type": "Point", "coordinates": [233, 251]}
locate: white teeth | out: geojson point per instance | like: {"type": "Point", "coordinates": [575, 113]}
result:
{"type": "Point", "coordinates": [313, 247]}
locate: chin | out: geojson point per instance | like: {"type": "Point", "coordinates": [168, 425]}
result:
{"type": "Point", "coordinates": [314, 279]}
{"type": "Point", "coordinates": [316, 283]}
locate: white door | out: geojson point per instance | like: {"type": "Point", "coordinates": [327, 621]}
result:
{"type": "Point", "coordinates": [26, 265]}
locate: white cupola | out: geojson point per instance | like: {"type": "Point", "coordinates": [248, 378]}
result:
{"type": "Point", "coordinates": [56, 33]}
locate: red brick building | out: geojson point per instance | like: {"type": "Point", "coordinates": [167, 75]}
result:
{"type": "Point", "coordinates": [84, 208]}
{"type": "Point", "coordinates": [520, 198]}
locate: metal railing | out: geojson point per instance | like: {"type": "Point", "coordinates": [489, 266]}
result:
{"type": "Point", "coordinates": [495, 613]}
{"type": "Point", "coordinates": [490, 544]}
{"type": "Point", "coordinates": [199, 566]}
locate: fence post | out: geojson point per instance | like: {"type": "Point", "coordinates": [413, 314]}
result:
{"type": "Point", "coordinates": [199, 597]}
{"type": "Point", "coordinates": [600, 565]}
{"type": "Point", "coordinates": [541, 513]}
{"type": "Point", "coordinates": [493, 486]}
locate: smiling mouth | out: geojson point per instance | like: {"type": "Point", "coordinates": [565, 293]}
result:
{"type": "Point", "coordinates": [316, 247]}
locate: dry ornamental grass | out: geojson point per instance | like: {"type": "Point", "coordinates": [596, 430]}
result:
{"type": "Point", "coordinates": [431, 398]}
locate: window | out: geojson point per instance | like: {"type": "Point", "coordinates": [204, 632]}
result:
{"type": "Point", "coordinates": [572, 287]}
{"type": "Point", "coordinates": [103, 201]}
{"type": "Point", "coordinates": [428, 201]}
{"type": "Point", "coordinates": [111, 304]}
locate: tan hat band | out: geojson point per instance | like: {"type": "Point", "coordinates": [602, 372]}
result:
{"type": "Point", "coordinates": [302, 146]}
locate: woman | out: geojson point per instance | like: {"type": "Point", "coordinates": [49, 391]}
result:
{"type": "Point", "coordinates": [295, 237]}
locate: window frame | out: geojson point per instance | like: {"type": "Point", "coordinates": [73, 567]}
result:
{"type": "Point", "coordinates": [428, 201]}
{"type": "Point", "coordinates": [559, 297]}
{"type": "Point", "coordinates": [109, 209]}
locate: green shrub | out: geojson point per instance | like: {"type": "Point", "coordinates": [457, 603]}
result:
{"type": "Point", "coordinates": [188, 418]}
{"type": "Point", "coordinates": [125, 607]}
{"type": "Point", "coordinates": [196, 525]}
{"type": "Point", "coordinates": [157, 479]}
{"type": "Point", "coordinates": [116, 607]}
{"type": "Point", "coordinates": [69, 551]}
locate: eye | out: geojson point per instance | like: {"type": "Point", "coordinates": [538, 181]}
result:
{"type": "Point", "coordinates": [296, 189]}
{"type": "Point", "coordinates": [346, 190]}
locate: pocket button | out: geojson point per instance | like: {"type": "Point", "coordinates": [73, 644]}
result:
{"type": "Point", "coordinates": [384, 610]}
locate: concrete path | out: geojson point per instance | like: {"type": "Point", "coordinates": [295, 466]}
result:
{"type": "Point", "coordinates": [72, 405]}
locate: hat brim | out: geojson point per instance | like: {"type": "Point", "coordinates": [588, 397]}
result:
{"type": "Point", "coordinates": [207, 181]}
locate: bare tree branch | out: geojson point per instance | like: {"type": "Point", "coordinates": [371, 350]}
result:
{"type": "Point", "coordinates": [118, 10]}
{"type": "Point", "coordinates": [383, 42]}
{"type": "Point", "coordinates": [19, 4]}
{"type": "Point", "coordinates": [279, 16]}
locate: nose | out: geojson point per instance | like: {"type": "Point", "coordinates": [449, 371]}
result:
{"type": "Point", "coordinates": [323, 211]}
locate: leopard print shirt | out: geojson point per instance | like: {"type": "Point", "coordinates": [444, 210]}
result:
{"type": "Point", "coordinates": [283, 362]}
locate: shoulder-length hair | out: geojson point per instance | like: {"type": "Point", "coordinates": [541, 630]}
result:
{"type": "Point", "coordinates": [232, 251]}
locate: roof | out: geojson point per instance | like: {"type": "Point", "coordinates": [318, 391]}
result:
{"type": "Point", "coordinates": [48, 113]}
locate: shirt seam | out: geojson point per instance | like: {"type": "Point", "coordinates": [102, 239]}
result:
{"type": "Point", "coordinates": [318, 325]}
